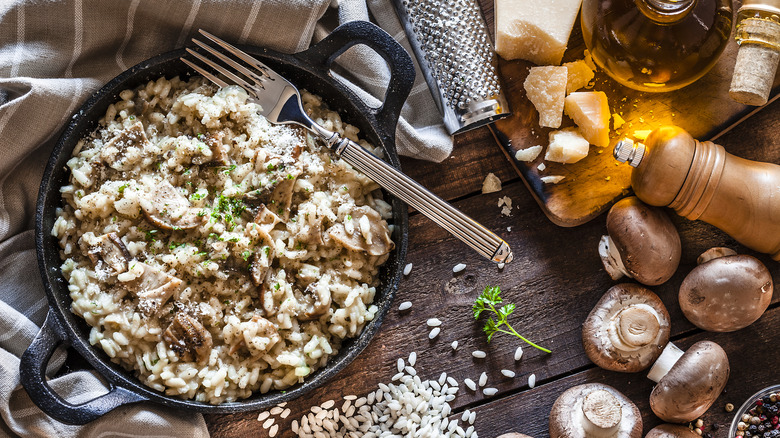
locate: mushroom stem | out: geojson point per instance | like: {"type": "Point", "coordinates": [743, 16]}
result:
{"type": "Point", "coordinates": [665, 362]}
{"type": "Point", "coordinates": [610, 257]}
{"type": "Point", "coordinates": [601, 414]}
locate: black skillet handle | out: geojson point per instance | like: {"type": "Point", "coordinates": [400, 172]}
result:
{"type": "Point", "coordinates": [398, 60]}
{"type": "Point", "coordinates": [33, 376]}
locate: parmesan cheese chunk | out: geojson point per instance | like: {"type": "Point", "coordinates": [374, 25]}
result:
{"type": "Point", "coordinates": [491, 184]}
{"type": "Point", "coordinates": [590, 111]}
{"type": "Point", "coordinates": [546, 89]}
{"type": "Point", "coordinates": [567, 146]}
{"type": "Point", "coordinates": [528, 154]}
{"type": "Point", "coordinates": [579, 75]}
{"type": "Point", "coordinates": [552, 179]}
{"type": "Point", "coordinates": [534, 30]}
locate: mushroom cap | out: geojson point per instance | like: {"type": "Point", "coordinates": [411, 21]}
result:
{"type": "Point", "coordinates": [646, 239]}
{"type": "Point", "coordinates": [692, 384]}
{"type": "Point", "coordinates": [671, 431]}
{"type": "Point", "coordinates": [726, 293]}
{"type": "Point", "coordinates": [627, 329]}
{"type": "Point", "coordinates": [568, 418]}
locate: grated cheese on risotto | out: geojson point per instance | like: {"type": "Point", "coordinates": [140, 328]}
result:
{"type": "Point", "coordinates": [213, 253]}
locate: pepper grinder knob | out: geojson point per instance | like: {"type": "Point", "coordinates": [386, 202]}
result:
{"type": "Point", "coordinates": [628, 151]}
{"type": "Point", "coordinates": [700, 180]}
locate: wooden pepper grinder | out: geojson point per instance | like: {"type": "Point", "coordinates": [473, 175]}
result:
{"type": "Point", "coordinates": [700, 180]}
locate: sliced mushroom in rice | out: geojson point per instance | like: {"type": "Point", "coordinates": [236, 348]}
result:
{"type": "Point", "coordinates": [314, 301]}
{"type": "Point", "coordinates": [153, 288]}
{"type": "Point", "coordinates": [114, 152]}
{"type": "Point", "coordinates": [110, 256]}
{"type": "Point", "coordinates": [311, 233]}
{"type": "Point", "coordinates": [264, 252]}
{"type": "Point", "coordinates": [168, 209]}
{"type": "Point", "coordinates": [218, 155]}
{"type": "Point", "coordinates": [369, 236]}
{"type": "Point", "coordinates": [188, 338]}
{"type": "Point", "coordinates": [258, 334]}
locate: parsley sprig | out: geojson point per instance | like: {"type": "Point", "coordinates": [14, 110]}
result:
{"type": "Point", "coordinates": [488, 300]}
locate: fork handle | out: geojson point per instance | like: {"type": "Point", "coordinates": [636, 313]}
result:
{"type": "Point", "coordinates": [445, 215]}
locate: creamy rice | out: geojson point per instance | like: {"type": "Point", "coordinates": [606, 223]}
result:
{"type": "Point", "coordinates": [213, 253]}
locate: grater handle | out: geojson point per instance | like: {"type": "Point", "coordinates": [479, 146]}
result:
{"type": "Point", "coordinates": [469, 231]}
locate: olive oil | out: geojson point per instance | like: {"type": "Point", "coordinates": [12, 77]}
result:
{"type": "Point", "coordinates": [656, 45]}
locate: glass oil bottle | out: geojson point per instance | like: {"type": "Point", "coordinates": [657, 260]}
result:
{"type": "Point", "coordinates": [656, 45]}
{"type": "Point", "coordinates": [758, 36]}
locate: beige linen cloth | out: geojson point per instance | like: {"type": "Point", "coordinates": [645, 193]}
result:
{"type": "Point", "coordinates": [55, 53]}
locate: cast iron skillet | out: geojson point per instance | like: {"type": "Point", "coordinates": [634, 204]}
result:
{"type": "Point", "coordinates": [308, 69]}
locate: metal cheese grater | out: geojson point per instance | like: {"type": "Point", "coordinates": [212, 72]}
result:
{"type": "Point", "coordinates": [455, 53]}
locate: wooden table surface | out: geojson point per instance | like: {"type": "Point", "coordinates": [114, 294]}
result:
{"type": "Point", "coordinates": [555, 280]}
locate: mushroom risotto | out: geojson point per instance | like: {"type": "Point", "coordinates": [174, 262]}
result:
{"type": "Point", "coordinates": [213, 253]}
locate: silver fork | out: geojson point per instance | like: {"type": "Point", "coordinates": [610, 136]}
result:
{"type": "Point", "coordinates": [280, 102]}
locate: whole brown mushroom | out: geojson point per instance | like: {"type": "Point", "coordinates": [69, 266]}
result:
{"type": "Point", "coordinates": [627, 329]}
{"type": "Point", "coordinates": [642, 243]}
{"type": "Point", "coordinates": [726, 292]}
{"type": "Point", "coordinates": [594, 410]}
{"type": "Point", "coordinates": [689, 382]}
{"type": "Point", "coordinates": [671, 431]}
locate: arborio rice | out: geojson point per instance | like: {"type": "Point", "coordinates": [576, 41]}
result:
{"type": "Point", "coordinates": [215, 254]}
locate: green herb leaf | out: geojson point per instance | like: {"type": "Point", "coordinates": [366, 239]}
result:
{"type": "Point", "coordinates": [487, 301]}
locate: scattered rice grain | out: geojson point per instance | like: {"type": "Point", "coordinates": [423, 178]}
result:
{"type": "Point", "coordinates": [400, 365]}
{"type": "Point", "coordinates": [268, 423]}
{"type": "Point", "coordinates": [273, 431]}
{"type": "Point", "coordinates": [532, 380]}
{"type": "Point", "coordinates": [328, 404]}
{"type": "Point", "coordinates": [454, 345]}
{"type": "Point", "coordinates": [412, 358]}
{"type": "Point", "coordinates": [263, 415]}
{"type": "Point", "coordinates": [470, 384]}
{"type": "Point", "coordinates": [407, 269]}
{"type": "Point", "coordinates": [276, 410]}
{"type": "Point", "coordinates": [434, 333]}
{"type": "Point", "coordinates": [479, 354]}
{"type": "Point", "coordinates": [433, 322]}
{"type": "Point", "coordinates": [285, 413]}
{"type": "Point", "coordinates": [519, 353]}
{"type": "Point", "coordinates": [490, 391]}
{"type": "Point", "coordinates": [482, 379]}
{"type": "Point", "coordinates": [508, 373]}
{"type": "Point", "coordinates": [406, 305]}
{"type": "Point", "coordinates": [459, 267]}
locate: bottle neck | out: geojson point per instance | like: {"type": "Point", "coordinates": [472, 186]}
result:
{"type": "Point", "coordinates": [665, 11]}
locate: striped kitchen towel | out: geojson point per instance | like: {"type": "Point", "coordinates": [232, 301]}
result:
{"type": "Point", "coordinates": [55, 53]}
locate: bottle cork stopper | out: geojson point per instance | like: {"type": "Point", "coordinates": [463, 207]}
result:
{"type": "Point", "coordinates": [756, 64]}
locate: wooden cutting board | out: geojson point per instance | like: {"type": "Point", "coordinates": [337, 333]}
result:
{"type": "Point", "coordinates": [593, 184]}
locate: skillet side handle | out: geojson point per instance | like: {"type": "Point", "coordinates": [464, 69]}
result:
{"type": "Point", "coordinates": [33, 376]}
{"type": "Point", "coordinates": [398, 60]}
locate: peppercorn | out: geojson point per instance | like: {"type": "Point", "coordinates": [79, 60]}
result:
{"type": "Point", "coordinates": [716, 426]}
{"type": "Point", "coordinates": [707, 435]}
{"type": "Point", "coordinates": [760, 428]}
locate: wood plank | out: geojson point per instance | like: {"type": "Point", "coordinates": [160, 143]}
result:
{"type": "Point", "coordinates": [752, 356]}
{"type": "Point", "coordinates": [475, 154]}
{"type": "Point", "coordinates": [555, 279]}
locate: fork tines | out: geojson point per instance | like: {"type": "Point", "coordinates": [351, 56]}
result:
{"type": "Point", "coordinates": [258, 76]}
